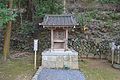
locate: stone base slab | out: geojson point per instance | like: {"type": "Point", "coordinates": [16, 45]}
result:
{"type": "Point", "coordinates": [60, 59]}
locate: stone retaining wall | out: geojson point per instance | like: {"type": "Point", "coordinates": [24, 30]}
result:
{"type": "Point", "coordinates": [61, 60]}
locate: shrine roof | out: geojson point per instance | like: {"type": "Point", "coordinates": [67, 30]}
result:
{"type": "Point", "coordinates": [59, 20]}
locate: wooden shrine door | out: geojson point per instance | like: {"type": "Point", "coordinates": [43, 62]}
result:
{"type": "Point", "coordinates": [59, 39]}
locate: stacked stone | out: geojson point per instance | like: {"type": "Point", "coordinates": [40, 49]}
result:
{"type": "Point", "coordinates": [60, 61]}
{"type": "Point", "coordinates": [1, 40]}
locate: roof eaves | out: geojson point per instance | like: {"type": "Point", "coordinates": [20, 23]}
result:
{"type": "Point", "coordinates": [60, 25]}
{"type": "Point", "coordinates": [62, 15]}
{"type": "Point", "coordinates": [46, 19]}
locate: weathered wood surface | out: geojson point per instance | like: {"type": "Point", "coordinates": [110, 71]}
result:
{"type": "Point", "coordinates": [59, 38]}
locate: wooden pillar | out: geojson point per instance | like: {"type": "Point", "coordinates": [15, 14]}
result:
{"type": "Point", "coordinates": [66, 41]}
{"type": "Point", "coordinates": [52, 39]}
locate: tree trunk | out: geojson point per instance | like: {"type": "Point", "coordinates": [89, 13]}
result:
{"type": "Point", "coordinates": [7, 35]}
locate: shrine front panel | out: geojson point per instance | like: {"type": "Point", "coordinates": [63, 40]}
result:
{"type": "Point", "coordinates": [59, 35]}
{"type": "Point", "coordinates": [59, 38]}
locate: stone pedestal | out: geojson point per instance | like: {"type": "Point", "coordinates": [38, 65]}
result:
{"type": "Point", "coordinates": [60, 59]}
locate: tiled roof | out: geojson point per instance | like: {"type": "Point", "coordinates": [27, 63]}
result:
{"type": "Point", "coordinates": [59, 20]}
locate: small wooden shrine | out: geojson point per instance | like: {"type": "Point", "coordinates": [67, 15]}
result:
{"type": "Point", "coordinates": [59, 26]}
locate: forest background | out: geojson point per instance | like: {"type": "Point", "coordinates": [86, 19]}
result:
{"type": "Point", "coordinates": [99, 24]}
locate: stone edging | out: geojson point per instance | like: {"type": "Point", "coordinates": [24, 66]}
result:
{"type": "Point", "coordinates": [37, 73]}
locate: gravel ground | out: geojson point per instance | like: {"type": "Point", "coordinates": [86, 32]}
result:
{"type": "Point", "coordinates": [57, 74]}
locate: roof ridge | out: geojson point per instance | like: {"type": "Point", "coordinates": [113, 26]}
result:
{"type": "Point", "coordinates": [59, 20]}
{"type": "Point", "coordinates": [59, 15]}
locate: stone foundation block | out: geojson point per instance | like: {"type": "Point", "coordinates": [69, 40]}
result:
{"type": "Point", "coordinates": [51, 64]}
{"type": "Point", "coordinates": [59, 64]}
{"type": "Point", "coordinates": [60, 58]}
{"type": "Point", "coordinates": [74, 65]}
{"type": "Point", "coordinates": [66, 58]}
{"type": "Point", "coordinates": [51, 58]}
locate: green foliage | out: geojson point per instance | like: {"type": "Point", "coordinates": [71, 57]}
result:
{"type": "Point", "coordinates": [24, 36]}
{"type": "Point", "coordinates": [6, 15]}
{"type": "Point", "coordinates": [20, 3]}
{"type": "Point", "coordinates": [26, 28]}
{"type": "Point", "coordinates": [80, 19]}
{"type": "Point", "coordinates": [48, 7]}
{"type": "Point", "coordinates": [86, 17]}
{"type": "Point", "coordinates": [109, 1]}
{"type": "Point", "coordinates": [103, 21]}
{"type": "Point", "coordinates": [114, 16]}
{"type": "Point", "coordinates": [109, 23]}
{"type": "Point", "coordinates": [107, 18]}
